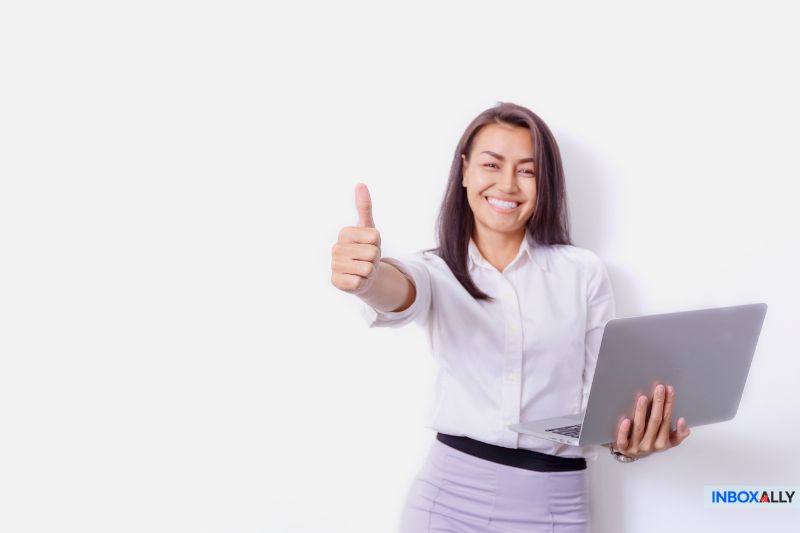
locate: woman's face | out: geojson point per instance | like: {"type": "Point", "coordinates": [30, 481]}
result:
{"type": "Point", "coordinates": [500, 167]}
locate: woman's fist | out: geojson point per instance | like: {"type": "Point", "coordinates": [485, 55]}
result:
{"type": "Point", "coordinates": [356, 254]}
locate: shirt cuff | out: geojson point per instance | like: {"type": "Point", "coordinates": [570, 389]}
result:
{"type": "Point", "coordinates": [415, 272]}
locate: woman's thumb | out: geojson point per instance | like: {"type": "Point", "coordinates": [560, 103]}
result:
{"type": "Point", "coordinates": [364, 206]}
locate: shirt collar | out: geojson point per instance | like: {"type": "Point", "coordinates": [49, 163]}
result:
{"type": "Point", "coordinates": [534, 252]}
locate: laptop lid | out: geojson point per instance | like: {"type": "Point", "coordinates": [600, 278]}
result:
{"type": "Point", "coordinates": [705, 354]}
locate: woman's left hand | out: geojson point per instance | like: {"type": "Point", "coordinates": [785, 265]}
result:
{"type": "Point", "coordinates": [657, 436]}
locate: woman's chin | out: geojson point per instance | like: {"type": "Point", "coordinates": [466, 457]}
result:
{"type": "Point", "coordinates": [503, 226]}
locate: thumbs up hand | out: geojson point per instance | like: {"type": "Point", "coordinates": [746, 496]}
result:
{"type": "Point", "coordinates": [356, 254]}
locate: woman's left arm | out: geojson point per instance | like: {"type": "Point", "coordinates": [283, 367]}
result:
{"type": "Point", "coordinates": [658, 435]}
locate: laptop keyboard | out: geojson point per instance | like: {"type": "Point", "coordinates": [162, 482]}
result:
{"type": "Point", "coordinates": [569, 431]}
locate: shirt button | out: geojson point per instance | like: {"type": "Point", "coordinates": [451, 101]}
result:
{"type": "Point", "coordinates": [513, 327]}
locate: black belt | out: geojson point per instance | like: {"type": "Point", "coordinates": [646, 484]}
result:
{"type": "Point", "coordinates": [519, 457]}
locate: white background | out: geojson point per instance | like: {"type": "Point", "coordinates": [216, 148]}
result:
{"type": "Point", "coordinates": [173, 356]}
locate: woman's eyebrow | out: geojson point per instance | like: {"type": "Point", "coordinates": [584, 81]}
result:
{"type": "Point", "coordinates": [501, 158]}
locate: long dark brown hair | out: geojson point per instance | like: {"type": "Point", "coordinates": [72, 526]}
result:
{"type": "Point", "coordinates": [549, 223]}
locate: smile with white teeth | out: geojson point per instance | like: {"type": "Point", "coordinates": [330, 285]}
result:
{"type": "Point", "coordinates": [502, 204]}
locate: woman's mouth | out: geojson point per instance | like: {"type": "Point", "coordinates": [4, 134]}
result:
{"type": "Point", "coordinates": [501, 206]}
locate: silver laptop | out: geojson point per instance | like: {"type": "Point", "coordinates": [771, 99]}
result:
{"type": "Point", "coordinates": [705, 354]}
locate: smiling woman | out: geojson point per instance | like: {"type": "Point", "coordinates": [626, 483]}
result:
{"type": "Point", "coordinates": [514, 314]}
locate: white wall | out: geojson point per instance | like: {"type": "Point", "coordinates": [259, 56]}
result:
{"type": "Point", "coordinates": [173, 356]}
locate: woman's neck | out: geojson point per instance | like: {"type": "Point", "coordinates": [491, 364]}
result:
{"type": "Point", "coordinates": [498, 248]}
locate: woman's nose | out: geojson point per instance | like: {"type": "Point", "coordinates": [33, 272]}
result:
{"type": "Point", "coordinates": [507, 180]}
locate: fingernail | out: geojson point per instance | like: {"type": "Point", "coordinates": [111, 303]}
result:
{"type": "Point", "coordinates": [642, 399]}
{"type": "Point", "coordinates": [660, 389]}
{"type": "Point", "coordinates": [670, 389]}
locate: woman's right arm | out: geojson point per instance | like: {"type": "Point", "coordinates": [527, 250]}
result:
{"type": "Point", "coordinates": [357, 267]}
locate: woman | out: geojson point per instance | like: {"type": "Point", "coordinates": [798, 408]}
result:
{"type": "Point", "coordinates": [514, 314]}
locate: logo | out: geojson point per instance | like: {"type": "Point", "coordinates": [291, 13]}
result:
{"type": "Point", "coordinates": [754, 497]}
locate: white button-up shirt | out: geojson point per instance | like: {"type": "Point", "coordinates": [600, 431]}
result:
{"type": "Point", "coordinates": [528, 355]}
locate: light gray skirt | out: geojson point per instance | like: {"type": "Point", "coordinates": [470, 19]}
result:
{"type": "Point", "coordinates": [456, 492]}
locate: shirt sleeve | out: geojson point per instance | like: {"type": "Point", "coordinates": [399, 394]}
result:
{"type": "Point", "coordinates": [600, 308]}
{"type": "Point", "coordinates": [415, 269]}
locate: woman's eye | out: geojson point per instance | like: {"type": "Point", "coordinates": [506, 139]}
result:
{"type": "Point", "coordinates": [526, 170]}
